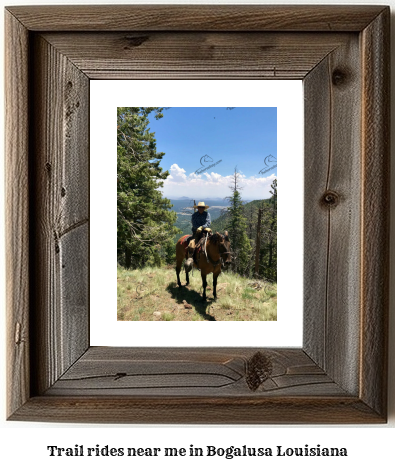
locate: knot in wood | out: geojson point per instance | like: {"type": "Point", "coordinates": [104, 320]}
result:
{"type": "Point", "coordinates": [119, 375]}
{"type": "Point", "coordinates": [135, 41]}
{"type": "Point", "coordinates": [339, 77]}
{"type": "Point", "coordinates": [330, 199]}
{"type": "Point", "coordinates": [259, 369]}
{"type": "Point", "coordinates": [18, 336]}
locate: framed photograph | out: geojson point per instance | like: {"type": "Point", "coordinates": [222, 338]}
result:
{"type": "Point", "coordinates": [199, 126]}
{"type": "Point", "coordinates": [339, 374]}
{"type": "Point", "coordinates": [208, 210]}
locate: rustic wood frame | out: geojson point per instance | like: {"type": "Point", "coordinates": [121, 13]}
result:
{"type": "Point", "coordinates": [340, 374]}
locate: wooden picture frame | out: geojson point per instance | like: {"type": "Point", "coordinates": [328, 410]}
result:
{"type": "Point", "coordinates": [340, 373]}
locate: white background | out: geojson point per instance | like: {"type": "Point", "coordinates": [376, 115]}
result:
{"type": "Point", "coordinates": [287, 96]}
{"type": "Point", "coordinates": [24, 444]}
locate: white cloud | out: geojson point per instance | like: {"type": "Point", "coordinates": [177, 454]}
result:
{"type": "Point", "coordinates": [215, 177]}
{"type": "Point", "coordinates": [177, 174]}
{"type": "Point", "coordinates": [212, 184]}
{"type": "Point", "coordinates": [194, 179]}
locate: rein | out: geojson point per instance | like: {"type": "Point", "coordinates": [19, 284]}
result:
{"type": "Point", "coordinates": [214, 263]}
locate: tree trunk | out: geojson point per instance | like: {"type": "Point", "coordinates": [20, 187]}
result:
{"type": "Point", "coordinates": [274, 212]}
{"type": "Point", "coordinates": [128, 258]}
{"type": "Point", "coordinates": [258, 242]}
{"type": "Point", "coordinates": [270, 254]}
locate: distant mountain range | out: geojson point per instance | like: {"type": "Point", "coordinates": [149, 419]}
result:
{"type": "Point", "coordinates": [189, 199]}
{"type": "Point", "coordinates": [183, 207]}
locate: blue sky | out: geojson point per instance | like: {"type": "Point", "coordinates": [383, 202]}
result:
{"type": "Point", "coordinates": [195, 138]}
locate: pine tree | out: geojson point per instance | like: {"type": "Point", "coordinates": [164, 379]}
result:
{"type": "Point", "coordinates": [144, 223]}
{"type": "Point", "coordinates": [268, 263]}
{"type": "Point", "coordinates": [241, 246]}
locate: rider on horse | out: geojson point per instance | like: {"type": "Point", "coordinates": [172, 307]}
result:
{"type": "Point", "coordinates": [201, 220]}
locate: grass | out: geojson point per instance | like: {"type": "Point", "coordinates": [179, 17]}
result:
{"type": "Point", "coordinates": [152, 294]}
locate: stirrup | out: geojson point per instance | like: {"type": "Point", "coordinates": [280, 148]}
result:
{"type": "Point", "coordinates": [191, 247]}
{"type": "Point", "coordinates": [188, 264]}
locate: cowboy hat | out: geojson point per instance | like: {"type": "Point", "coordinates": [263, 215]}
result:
{"type": "Point", "coordinates": [201, 204]}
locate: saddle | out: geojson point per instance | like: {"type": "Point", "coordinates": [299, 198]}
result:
{"type": "Point", "coordinates": [197, 250]}
{"type": "Point", "coordinates": [185, 243]}
{"type": "Point", "coordinates": [198, 247]}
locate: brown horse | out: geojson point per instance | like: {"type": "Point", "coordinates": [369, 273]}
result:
{"type": "Point", "coordinates": [218, 251]}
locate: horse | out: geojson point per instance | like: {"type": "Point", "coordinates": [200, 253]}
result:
{"type": "Point", "coordinates": [217, 247]}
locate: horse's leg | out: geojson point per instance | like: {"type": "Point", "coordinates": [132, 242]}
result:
{"type": "Point", "coordinates": [187, 276]}
{"type": "Point", "coordinates": [204, 285]}
{"type": "Point", "coordinates": [215, 277]}
{"type": "Point", "coordinates": [178, 269]}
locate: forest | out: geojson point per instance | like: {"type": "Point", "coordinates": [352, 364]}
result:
{"type": "Point", "coordinates": [146, 224]}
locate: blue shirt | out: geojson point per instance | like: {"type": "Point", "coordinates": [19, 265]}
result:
{"type": "Point", "coordinates": [200, 220]}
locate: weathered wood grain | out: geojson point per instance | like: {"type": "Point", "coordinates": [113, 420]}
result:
{"type": "Point", "coordinates": [375, 211]}
{"type": "Point", "coordinates": [196, 17]}
{"type": "Point", "coordinates": [198, 410]}
{"type": "Point", "coordinates": [317, 112]}
{"type": "Point", "coordinates": [74, 293]}
{"type": "Point", "coordinates": [339, 376]}
{"type": "Point", "coordinates": [192, 372]}
{"type": "Point", "coordinates": [344, 253]}
{"type": "Point", "coordinates": [332, 206]}
{"type": "Point", "coordinates": [17, 212]}
{"type": "Point", "coordinates": [60, 212]}
{"type": "Point", "coordinates": [185, 54]}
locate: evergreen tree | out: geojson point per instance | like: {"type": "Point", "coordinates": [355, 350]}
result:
{"type": "Point", "coordinates": [268, 230]}
{"type": "Point", "coordinates": [144, 224]}
{"type": "Point", "coordinates": [241, 245]}
{"type": "Point", "coordinates": [268, 264]}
